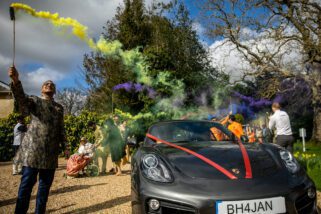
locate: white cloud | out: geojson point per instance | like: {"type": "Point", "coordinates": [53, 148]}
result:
{"type": "Point", "coordinates": [5, 60]}
{"type": "Point", "coordinates": [226, 58]}
{"type": "Point", "coordinates": [199, 28]}
{"type": "Point", "coordinates": [39, 43]}
{"type": "Point", "coordinates": [33, 80]}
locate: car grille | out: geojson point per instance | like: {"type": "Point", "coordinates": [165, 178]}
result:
{"type": "Point", "coordinates": [172, 208]}
{"type": "Point", "coordinates": [304, 204]}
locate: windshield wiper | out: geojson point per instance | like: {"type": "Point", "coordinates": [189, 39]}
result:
{"type": "Point", "coordinates": [181, 141]}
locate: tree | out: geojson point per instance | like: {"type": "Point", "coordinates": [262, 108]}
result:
{"type": "Point", "coordinates": [72, 99]}
{"type": "Point", "coordinates": [102, 74]}
{"type": "Point", "coordinates": [130, 25]}
{"type": "Point", "coordinates": [168, 42]}
{"type": "Point", "coordinates": [265, 32]}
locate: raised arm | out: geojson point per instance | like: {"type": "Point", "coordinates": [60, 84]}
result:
{"type": "Point", "coordinates": [225, 119]}
{"type": "Point", "coordinates": [24, 103]}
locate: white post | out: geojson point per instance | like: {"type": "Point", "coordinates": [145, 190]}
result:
{"type": "Point", "coordinates": [303, 141]}
{"type": "Point", "coordinates": [303, 135]}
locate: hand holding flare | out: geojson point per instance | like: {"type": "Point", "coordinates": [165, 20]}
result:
{"type": "Point", "coordinates": [13, 74]}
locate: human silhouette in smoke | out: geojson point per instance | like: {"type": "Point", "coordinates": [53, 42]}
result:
{"type": "Point", "coordinates": [102, 147]}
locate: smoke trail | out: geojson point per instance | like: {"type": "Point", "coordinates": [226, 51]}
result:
{"type": "Point", "coordinates": [260, 103]}
{"type": "Point", "coordinates": [133, 59]}
{"type": "Point", "coordinates": [136, 87]}
{"type": "Point", "coordinates": [78, 29]}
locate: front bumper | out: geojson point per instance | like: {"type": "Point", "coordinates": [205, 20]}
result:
{"type": "Point", "coordinates": [187, 198]}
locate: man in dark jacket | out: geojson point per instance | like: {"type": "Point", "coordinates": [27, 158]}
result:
{"type": "Point", "coordinates": [40, 146]}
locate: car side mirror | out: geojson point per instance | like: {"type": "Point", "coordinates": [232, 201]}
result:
{"type": "Point", "coordinates": [244, 139]}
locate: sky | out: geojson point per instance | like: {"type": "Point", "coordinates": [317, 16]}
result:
{"type": "Point", "coordinates": [43, 52]}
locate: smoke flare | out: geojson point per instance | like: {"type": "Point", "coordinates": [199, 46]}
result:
{"type": "Point", "coordinates": [133, 59]}
{"type": "Point", "coordinates": [136, 87]}
{"type": "Point", "coordinates": [78, 29]}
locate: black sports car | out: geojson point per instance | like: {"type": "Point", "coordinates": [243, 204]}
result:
{"type": "Point", "coordinates": [201, 167]}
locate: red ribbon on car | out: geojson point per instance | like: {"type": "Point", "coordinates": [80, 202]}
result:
{"type": "Point", "coordinates": [248, 173]}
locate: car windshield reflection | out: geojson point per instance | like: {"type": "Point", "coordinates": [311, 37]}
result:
{"type": "Point", "coordinates": [190, 131]}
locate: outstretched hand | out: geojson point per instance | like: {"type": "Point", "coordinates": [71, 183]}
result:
{"type": "Point", "coordinates": [13, 74]}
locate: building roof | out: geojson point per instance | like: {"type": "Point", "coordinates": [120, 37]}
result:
{"type": "Point", "coordinates": [4, 87]}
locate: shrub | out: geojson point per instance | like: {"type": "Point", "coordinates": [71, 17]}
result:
{"type": "Point", "coordinates": [76, 127]}
{"type": "Point", "coordinates": [312, 164]}
{"type": "Point", "coordinates": [6, 136]}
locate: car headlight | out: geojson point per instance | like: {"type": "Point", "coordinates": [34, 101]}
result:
{"type": "Point", "coordinates": [289, 161]}
{"type": "Point", "coordinates": [154, 169]}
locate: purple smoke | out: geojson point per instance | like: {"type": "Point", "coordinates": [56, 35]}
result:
{"type": "Point", "coordinates": [278, 99]}
{"type": "Point", "coordinates": [241, 108]}
{"type": "Point", "coordinates": [252, 102]}
{"type": "Point", "coordinates": [135, 87]}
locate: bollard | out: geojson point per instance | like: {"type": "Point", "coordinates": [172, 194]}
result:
{"type": "Point", "coordinates": [303, 134]}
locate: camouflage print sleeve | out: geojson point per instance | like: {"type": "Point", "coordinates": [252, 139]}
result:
{"type": "Point", "coordinates": [63, 133]}
{"type": "Point", "coordinates": [25, 104]}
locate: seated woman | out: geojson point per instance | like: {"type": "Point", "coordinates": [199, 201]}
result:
{"type": "Point", "coordinates": [77, 162]}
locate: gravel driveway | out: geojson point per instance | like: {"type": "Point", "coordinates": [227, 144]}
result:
{"type": "Point", "coordinates": [103, 194]}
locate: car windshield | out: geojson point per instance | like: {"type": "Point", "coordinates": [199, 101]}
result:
{"type": "Point", "coordinates": [185, 131]}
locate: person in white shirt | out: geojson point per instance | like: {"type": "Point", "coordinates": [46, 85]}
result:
{"type": "Point", "coordinates": [281, 122]}
{"type": "Point", "coordinates": [85, 148]}
{"type": "Point", "coordinates": [18, 134]}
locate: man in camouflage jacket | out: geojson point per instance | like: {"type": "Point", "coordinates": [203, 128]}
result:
{"type": "Point", "coordinates": [40, 147]}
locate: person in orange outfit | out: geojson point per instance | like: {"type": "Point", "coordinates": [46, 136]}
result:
{"type": "Point", "coordinates": [251, 135]}
{"type": "Point", "coordinates": [217, 133]}
{"type": "Point", "coordinates": [235, 127]}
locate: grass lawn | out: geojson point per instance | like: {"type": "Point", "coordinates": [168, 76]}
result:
{"type": "Point", "coordinates": [312, 159]}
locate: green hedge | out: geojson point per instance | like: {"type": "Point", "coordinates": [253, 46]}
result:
{"type": "Point", "coordinates": [76, 127]}
{"type": "Point", "coordinates": [6, 136]}
{"type": "Point", "coordinates": [310, 160]}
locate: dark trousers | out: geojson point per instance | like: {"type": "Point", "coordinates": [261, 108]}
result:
{"type": "Point", "coordinates": [286, 141]}
{"type": "Point", "coordinates": [28, 180]}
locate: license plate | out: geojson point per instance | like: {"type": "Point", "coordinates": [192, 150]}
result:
{"type": "Point", "coordinates": [262, 206]}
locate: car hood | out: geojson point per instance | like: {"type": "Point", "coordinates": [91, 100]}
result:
{"type": "Point", "coordinates": [226, 154]}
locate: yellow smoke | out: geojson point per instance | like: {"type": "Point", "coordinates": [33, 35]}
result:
{"type": "Point", "coordinates": [133, 59]}
{"type": "Point", "coordinates": [78, 29]}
